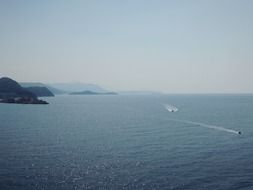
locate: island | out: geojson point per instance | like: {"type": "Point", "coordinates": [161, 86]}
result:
{"type": "Point", "coordinates": [87, 92]}
{"type": "Point", "coordinates": [12, 92]}
{"type": "Point", "coordinates": [40, 91]}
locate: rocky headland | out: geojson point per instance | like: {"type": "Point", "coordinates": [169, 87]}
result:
{"type": "Point", "coordinates": [12, 92]}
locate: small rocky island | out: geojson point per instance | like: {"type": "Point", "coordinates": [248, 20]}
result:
{"type": "Point", "coordinates": [12, 92]}
{"type": "Point", "coordinates": [87, 92]}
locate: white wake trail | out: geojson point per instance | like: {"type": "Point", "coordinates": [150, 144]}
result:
{"type": "Point", "coordinates": [171, 108]}
{"type": "Point", "coordinates": [208, 126]}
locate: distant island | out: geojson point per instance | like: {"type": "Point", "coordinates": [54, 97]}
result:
{"type": "Point", "coordinates": [12, 92]}
{"type": "Point", "coordinates": [87, 92]}
{"type": "Point", "coordinates": [77, 87]}
{"type": "Point", "coordinates": [41, 89]}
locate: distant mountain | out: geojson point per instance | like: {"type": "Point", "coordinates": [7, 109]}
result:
{"type": "Point", "coordinates": [77, 87]}
{"type": "Point", "coordinates": [56, 91]}
{"type": "Point", "coordinates": [87, 92]}
{"type": "Point", "coordinates": [40, 91]}
{"type": "Point", "coordinates": [66, 88]}
{"type": "Point", "coordinates": [53, 90]}
{"type": "Point", "coordinates": [13, 92]}
{"type": "Point", "coordinates": [31, 84]}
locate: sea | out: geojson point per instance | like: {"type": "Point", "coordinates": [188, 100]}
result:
{"type": "Point", "coordinates": [128, 142]}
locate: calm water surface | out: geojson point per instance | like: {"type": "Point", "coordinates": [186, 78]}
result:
{"type": "Point", "coordinates": [127, 142]}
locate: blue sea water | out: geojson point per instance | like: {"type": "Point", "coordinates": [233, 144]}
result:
{"type": "Point", "coordinates": [127, 142]}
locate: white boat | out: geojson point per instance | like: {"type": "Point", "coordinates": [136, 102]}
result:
{"type": "Point", "coordinates": [171, 108]}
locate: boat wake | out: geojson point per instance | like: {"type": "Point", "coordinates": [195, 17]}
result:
{"type": "Point", "coordinates": [208, 126]}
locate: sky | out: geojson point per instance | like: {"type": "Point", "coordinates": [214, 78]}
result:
{"type": "Point", "coordinates": [179, 46]}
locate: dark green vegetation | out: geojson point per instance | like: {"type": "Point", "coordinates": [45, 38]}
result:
{"type": "Point", "coordinates": [87, 92]}
{"type": "Point", "coordinates": [12, 92]}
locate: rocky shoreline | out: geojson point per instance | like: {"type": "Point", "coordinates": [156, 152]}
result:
{"type": "Point", "coordinates": [23, 101]}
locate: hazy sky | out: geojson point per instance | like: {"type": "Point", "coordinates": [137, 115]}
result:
{"type": "Point", "coordinates": [170, 46]}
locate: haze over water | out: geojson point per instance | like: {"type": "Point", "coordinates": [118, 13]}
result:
{"type": "Point", "coordinates": [127, 142]}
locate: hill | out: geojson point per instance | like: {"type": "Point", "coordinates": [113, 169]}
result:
{"type": "Point", "coordinates": [40, 91]}
{"type": "Point", "coordinates": [12, 92]}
